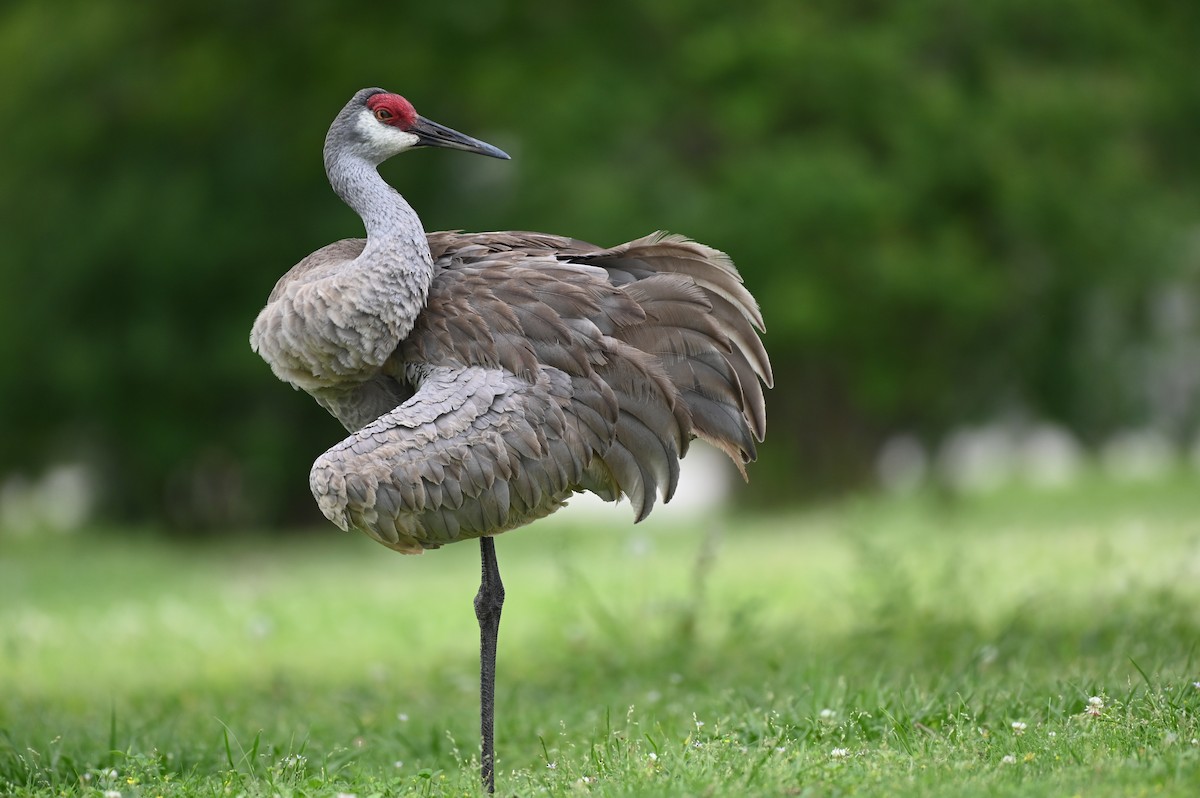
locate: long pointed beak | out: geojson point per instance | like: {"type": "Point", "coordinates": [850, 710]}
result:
{"type": "Point", "coordinates": [431, 134]}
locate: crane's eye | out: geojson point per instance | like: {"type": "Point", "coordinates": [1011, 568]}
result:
{"type": "Point", "coordinates": [383, 114]}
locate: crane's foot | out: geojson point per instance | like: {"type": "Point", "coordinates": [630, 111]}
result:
{"type": "Point", "coordinates": [488, 603]}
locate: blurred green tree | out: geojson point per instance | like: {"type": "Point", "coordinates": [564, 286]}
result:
{"type": "Point", "coordinates": [947, 209]}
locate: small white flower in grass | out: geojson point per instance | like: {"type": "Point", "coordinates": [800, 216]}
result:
{"type": "Point", "coordinates": [399, 763]}
{"type": "Point", "coordinates": [1051, 734]}
{"type": "Point", "coordinates": [402, 717]}
{"type": "Point", "coordinates": [1018, 727]}
{"type": "Point", "coordinates": [1008, 759]}
{"type": "Point", "coordinates": [1095, 706]}
{"type": "Point", "coordinates": [112, 774]}
{"type": "Point", "coordinates": [653, 756]}
{"type": "Point", "coordinates": [346, 795]}
{"type": "Point", "coordinates": [112, 794]}
{"type": "Point", "coordinates": [827, 715]}
{"type": "Point", "coordinates": [1196, 685]}
{"type": "Point", "coordinates": [1195, 741]}
{"type": "Point", "coordinates": [839, 753]}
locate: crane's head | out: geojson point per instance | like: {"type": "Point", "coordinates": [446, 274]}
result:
{"type": "Point", "coordinates": [377, 124]}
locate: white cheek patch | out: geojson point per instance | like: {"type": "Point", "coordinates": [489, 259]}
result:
{"type": "Point", "coordinates": [383, 137]}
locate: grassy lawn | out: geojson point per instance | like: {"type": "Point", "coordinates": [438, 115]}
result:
{"type": "Point", "coordinates": [1019, 644]}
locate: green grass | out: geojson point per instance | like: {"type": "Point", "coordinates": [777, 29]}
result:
{"type": "Point", "coordinates": [875, 647]}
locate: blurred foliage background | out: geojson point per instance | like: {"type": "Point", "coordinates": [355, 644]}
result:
{"type": "Point", "coordinates": [949, 210]}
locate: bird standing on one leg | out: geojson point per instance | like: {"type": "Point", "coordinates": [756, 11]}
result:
{"type": "Point", "coordinates": [487, 377]}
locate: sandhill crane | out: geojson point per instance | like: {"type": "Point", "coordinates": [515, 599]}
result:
{"type": "Point", "coordinates": [485, 378]}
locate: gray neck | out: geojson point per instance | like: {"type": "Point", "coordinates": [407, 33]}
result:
{"type": "Point", "coordinates": [396, 257]}
{"type": "Point", "coordinates": [384, 212]}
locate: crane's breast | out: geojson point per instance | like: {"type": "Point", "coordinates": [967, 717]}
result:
{"type": "Point", "coordinates": [331, 321]}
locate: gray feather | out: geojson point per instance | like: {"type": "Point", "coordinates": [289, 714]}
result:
{"type": "Point", "coordinates": [530, 367]}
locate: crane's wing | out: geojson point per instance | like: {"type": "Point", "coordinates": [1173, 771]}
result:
{"type": "Point", "coordinates": [728, 408]}
{"type": "Point", "coordinates": [544, 366]}
{"type": "Point", "coordinates": [720, 367]}
{"type": "Point", "coordinates": [476, 451]}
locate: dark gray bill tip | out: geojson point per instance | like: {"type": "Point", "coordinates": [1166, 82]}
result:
{"type": "Point", "coordinates": [492, 152]}
{"type": "Point", "coordinates": [431, 134]}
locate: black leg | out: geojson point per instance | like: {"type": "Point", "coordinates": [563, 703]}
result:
{"type": "Point", "coordinates": [488, 602]}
